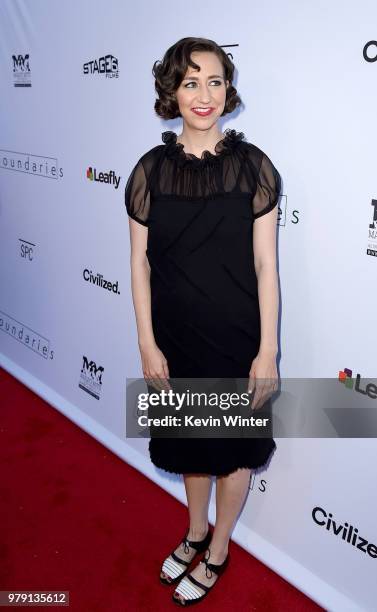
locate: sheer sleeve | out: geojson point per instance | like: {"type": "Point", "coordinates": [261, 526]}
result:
{"type": "Point", "coordinates": [268, 188]}
{"type": "Point", "coordinates": [137, 194]}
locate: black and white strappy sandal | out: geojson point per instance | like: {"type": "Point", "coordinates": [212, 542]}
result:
{"type": "Point", "coordinates": [175, 567]}
{"type": "Point", "coordinates": [188, 587]}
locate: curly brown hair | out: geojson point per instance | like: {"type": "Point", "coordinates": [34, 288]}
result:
{"type": "Point", "coordinates": [170, 72]}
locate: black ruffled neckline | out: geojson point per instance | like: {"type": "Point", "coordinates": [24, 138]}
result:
{"type": "Point", "coordinates": [225, 146]}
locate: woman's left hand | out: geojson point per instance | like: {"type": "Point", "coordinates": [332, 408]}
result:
{"type": "Point", "coordinates": [263, 377]}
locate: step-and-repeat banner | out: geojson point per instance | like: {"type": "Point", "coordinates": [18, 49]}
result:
{"type": "Point", "coordinates": [77, 97]}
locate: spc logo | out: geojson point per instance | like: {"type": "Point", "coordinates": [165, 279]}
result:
{"type": "Point", "coordinates": [27, 249]}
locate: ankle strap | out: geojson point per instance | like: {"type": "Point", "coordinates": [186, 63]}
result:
{"type": "Point", "coordinates": [197, 545]}
{"type": "Point", "coordinates": [214, 567]}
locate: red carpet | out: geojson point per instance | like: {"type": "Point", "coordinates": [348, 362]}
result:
{"type": "Point", "coordinates": [75, 517]}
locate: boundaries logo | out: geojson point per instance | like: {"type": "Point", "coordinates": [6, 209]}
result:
{"type": "Point", "coordinates": [38, 165]}
{"type": "Point", "coordinates": [21, 70]}
{"type": "Point", "coordinates": [27, 336]}
{"type": "Point", "coordinates": [103, 177]}
{"type": "Point", "coordinates": [372, 234]}
{"type": "Point", "coordinates": [345, 377]}
{"type": "Point", "coordinates": [107, 65]}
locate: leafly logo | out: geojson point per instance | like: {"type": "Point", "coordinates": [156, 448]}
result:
{"type": "Point", "coordinates": [372, 246]}
{"type": "Point", "coordinates": [21, 70]}
{"type": "Point", "coordinates": [91, 377]}
{"type": "Point", "coordinates": [345, 377]}
{"type": "Point", "coordinates": [103, 177]}
{"type": "Point", "coordinates": [107, 65]}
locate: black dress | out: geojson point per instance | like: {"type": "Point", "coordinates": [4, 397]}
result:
{"type": "Point", "coordinates": [204, 294]}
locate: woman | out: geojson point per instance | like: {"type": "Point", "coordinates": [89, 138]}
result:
{"type": "Point", "coordinates": [203, 216]}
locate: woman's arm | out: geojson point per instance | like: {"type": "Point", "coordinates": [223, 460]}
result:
{"type": "Point", "coordinates": [154, 363]}
{"type": "Point", "coordinates": [264, 244]}
{"type": "Point", "coordinates": [263, 367]}
{"type": "Point", "coordinates": [140, 283]}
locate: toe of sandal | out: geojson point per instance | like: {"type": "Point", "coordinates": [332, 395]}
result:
{"type": "Point", "coordinates": [176, 568]}
{"type": "Point", "coordinates": [191, 589]}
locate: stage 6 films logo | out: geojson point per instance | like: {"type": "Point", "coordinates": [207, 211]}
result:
{"type": "Point", "coordinates": [107, 65]}
{"type": "Point", "coordinates": [21, 70]}
{"type": "Point", "coordinates": [91, 377]}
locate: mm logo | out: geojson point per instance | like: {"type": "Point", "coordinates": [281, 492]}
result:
{"type": "Point", "coordinates": [345, 377]}
{"type": "Point", "coordinates": [21, 63]}
{"type": "Point", "coordinates": [91, 370]}
{"type": "Point", "coordinates": [91, 377]}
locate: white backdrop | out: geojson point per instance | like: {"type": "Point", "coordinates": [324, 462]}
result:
{"type": "Point", "coordinates": [309, 98]}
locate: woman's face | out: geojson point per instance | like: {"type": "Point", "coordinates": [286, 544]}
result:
{"type": "Point", "coordinates": [202, 93]}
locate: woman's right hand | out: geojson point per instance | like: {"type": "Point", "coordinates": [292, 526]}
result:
{"type": "Point", "coordinates": [155, 367]}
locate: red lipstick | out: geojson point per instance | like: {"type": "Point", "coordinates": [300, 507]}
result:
{"type": "Point", "coordinates": [202, 111]}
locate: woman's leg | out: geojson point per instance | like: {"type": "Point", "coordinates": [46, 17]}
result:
{"type": "Point", "coordinates": [197, 491]}
{"type": "Point", "coordinates": [231, 492]}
